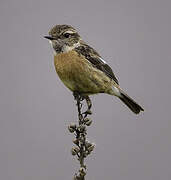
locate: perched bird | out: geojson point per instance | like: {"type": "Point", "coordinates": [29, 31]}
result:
{"type": "Point", "coordinates": [82, 69]}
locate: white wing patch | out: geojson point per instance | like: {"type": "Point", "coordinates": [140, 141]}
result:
{"type": "Point", "coordinates": [70, 32]}
{"type": "Point", "coordinates": [116, 91]}
{"type": "Point", "coordinates": [103, 60]}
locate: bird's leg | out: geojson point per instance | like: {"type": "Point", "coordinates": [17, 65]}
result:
{"type": "Point", "coordinates": [79, 97]}
{"type": "Point", "coordinates": [89, 105]}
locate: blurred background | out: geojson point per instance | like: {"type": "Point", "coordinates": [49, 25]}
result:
{"type": "Point", "coordinates": [35, 108]}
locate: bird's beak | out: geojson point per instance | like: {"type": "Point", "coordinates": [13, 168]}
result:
{"type": "Point", "coordinates": [49, 37]}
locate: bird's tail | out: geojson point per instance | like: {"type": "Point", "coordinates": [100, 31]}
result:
{"type": "Point", "coordinates": [133, 106]}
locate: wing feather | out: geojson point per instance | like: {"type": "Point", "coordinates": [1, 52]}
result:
{"type": "Point", "coordinates": [94, 58]}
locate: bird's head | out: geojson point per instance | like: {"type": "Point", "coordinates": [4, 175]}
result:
{"type": "Point", "coordinates": [63, 38]}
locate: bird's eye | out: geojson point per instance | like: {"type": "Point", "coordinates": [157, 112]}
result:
{"type": "Point", "coordinates": [67, 35]}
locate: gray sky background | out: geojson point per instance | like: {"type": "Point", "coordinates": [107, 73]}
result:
{"type": "Point", "coordinates": [35, 108]}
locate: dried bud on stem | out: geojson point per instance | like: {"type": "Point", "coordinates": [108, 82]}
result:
{"type": "Point", "coordinates": [83, 147]}
{"type": "Point", "coordinates": [72, 128]}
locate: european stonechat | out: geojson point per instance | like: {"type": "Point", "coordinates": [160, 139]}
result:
{"type": "Point", "coordinates": [82, 69]}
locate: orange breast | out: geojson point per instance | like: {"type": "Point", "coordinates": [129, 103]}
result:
{"type": "Point", "coordinates": [71, 68]}
{"type": "Point", "coordinates": [79, 75]}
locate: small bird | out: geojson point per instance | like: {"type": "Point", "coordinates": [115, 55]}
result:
{"type": "Point", "coordinates": [82, 69]}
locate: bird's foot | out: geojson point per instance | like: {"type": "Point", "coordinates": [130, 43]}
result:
{"type": "Point", "coordinates": [78, 96]}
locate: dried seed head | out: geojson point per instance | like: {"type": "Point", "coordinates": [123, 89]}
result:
{"type": "Point", "coordinates": [72, 128]}
{"type": "Point", "coordinates": [75, 150]}
{"type": "Point", "coordinates": [86, 119]}
{"type": "Point", "coordinates": [88, 123]}
{"type": "Point", "coordinates": [91, 148]}
{"type": "Point", "coordinates": [81, 128]}
{"type": "Point", "coordinates": [87, 153]}
{"type": "Point", "coordinates": [88, 144]}
{"type": "Point", "coordinates": [82, 171]}
{"type": "Point", "coordinates": [76, 141]}
{"type": "Point", "coordinates": [88, 112]}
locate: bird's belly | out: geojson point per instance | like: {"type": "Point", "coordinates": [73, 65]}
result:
{"type": "Point", "coordinates": [78, 75]}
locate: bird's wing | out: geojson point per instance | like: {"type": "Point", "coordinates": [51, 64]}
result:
{"type": "Point", "coordinates": [94, 58]}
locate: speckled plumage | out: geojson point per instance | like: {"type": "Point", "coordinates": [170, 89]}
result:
{"type": "Point", "coordinates": [79, 75]}
{"type": "Point", "coordinates": [82, 69]}
{"type": "Point", "coordinates": [91, 55]}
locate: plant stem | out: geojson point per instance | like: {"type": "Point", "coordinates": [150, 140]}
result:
{"type": "Point", "coordinates": [83, 147]}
